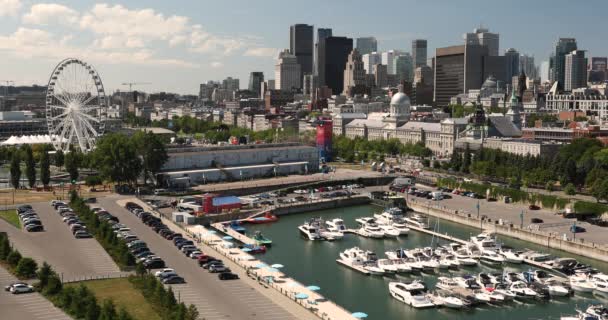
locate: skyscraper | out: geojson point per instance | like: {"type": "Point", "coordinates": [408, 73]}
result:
{"type": "Point", "coordinates": [367, 45]}
{"type": "Point", "coordinates": [255, 80]}
{"type": "Point", "coordinates": [512, 57]}
{"type": "Point", "coordinates": [419, 52]}
{"type": "Point", "coordinates": [354, 73]}
{"type": "Point", "coordinates": [333, 53]}
{"type": "Point", "coordinates": [575, 70]}
{"type": "Point", "coordinates": [301, 39]}
{"type": "Point", "coordinates": [404, 67]}
{"type": "Point", "coordinates": [230, 84]}
{"type": "Point", "coordinates": [563, 47]}
{"type": "Point", "coordinates": [322, 33]}
{"type": "Point", "coordinates": [388, 58]}
{"type": "Point", "coordinates": [598, 69]}
{"type": "Point", "coordinates": [370, 60]}
{"type": "Point", "coordinates": [482, 36]}
{"type": "Point", "coordinates": [526, 63]}
{"type": "Point", "coordinates": [287, 72]}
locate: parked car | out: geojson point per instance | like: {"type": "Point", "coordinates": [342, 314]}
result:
{"type": "Point", "coordinates": [210, 263]}
{"type": "Point", "coordinates": [81, 234]}
{"type": "Point", "coordinates": [164, 271]}
{"type": "Point", "coordinates": [217, 268]}
{"type": "Point", "coordinates": [155, 263]}
{"type": "Point", "coordinates": [174, 280]}
{"type": "Point", "coordinates": [8, 288]}
{"type": "Point", "coordinates": [34, 228]}
{"type": "Point", "coordinates": [227, 276]}
{"type": "Point", "coordinates": [577, 229]}
{"type": "Point", "coordinates": [536, 220]}
{"type": "Point", "coordinates": [533, 207]}
{"type": "Point", "coordinates": [18, 288]}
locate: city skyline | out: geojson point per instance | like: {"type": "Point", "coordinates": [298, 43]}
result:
{"type": "Point", "coordinates": [177, 48]}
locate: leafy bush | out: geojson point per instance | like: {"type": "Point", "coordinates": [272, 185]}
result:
{"type": "Point", "coordinates": [26, 268]}
{"type": "Point", "coordinates": [590, 207]}
{"type": "Point", "coordinates": [163, 299]}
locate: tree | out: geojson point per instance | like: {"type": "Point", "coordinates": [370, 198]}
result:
{"type": "Point", "coordinates": [45, 168]}
{"type": "Point", "coordinates": [599, 190]}
{"type": "Point", "coordinates": [13, 258]}
{"type": "Point", "coordinates": [191, 313]}
{"type": "Point", "coordinates": [26, 268]}
{"type": "Point", "coordinates": [59, 158]}
{"type": "Point", "coordinates": [116, 159]}
{"type": "Point", "coordinates": [569, 189]}
{"type": "Point", "coordinates": [152, 151]}
{"type": "Point", "coordinates": [54, 285]}
{"type": "Point", "coordinates": [44, 273]}
{"type": "Point", "coordinates": [30, 165]}
{"type": "Point", "coordinates": [15, 170]}
{"type": "Point", "coordinates": [92, 310]}
{"type": "Point", "coordinates": [5, 248]}
{"type": "Point", "coordinates": [93, 181]}
{"type": "Point", "coordinates": [550, 186]}
{"type": "Point", "coordinates": [71, 165]}
{"type": "Point", "coordinates": [108, 311]}
{"type": "Point", "coordinates": [140, 269]}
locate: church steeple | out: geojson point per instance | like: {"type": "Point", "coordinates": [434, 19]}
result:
{"type": "Point", "coordinates": [513, 112]}
{"type": "Point", "coordinates": [521, 85]}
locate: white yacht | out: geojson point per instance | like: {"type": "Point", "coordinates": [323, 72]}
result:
{"type": "Point", "coordinates": [388, 266]}
{"type": "Point", "coordinates": [556, 289]}
{"type": "Point", "coordinates": [452, 302]}
{"type": "Point", "coordinates": [360, 260]}
{"type": "Point", "coordinates": [413, 294]}
{"type": "Point", "coordinates": [467, 282]}
{"type": "Point", "coordinates": [400, 225]}
{"type": "Point", "coordinates": [504, 290]}
{"type": "Point", "coordinates": [310, 230]}
{"type": "Point", "coordinates": [484, 241]}
{"type": "Point", "coordinates": [396, 254]}
{"type": "Point", "coordinates": [601, 283]}
{"type": "Point", "coordinates": [389, 231]}
{"type": "Point", "coordinates": [581, 284]}
{"type": "Point", "coordinates": [336, 225]}
{"type": "Point", "coordinates": [462, 254]}
{"type": "Point", "coordinates": [417, 220]}
{"type": "Point", "coordinates": [445, 283]}
{"type": "Point", "coordinates": [451, 260]}
{"type": "Point", "coordinates": [402, 265]}
{"type": "Point", "coordinates": [522, 291]}
{"type": "Point", "coordinates": [388, 216]}
{"type": "Point", "coordinates": [512, 256]}
{"type": "Point", "coordinates": [369, 228]}
{"type": "Point", "coordinates": [491, 258]}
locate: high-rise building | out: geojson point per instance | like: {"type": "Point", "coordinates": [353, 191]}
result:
{"type": "Point", "coordinates": [367, 45]}
{"type": "Point", "coordinates": [388, 59]}
{"type": "Point", "coordinates": [255, 80]}
{"type": "Point", "coordinates": [419, 52]}
{"type": "Point", "coordinates": [575, 70]}
{"type": "Point", "coordinates": [333, 53]}
{"type": "Point", "coordinates": [424, 74]}
{"type": "Point", "coordinates": [526, 63]}
{"type": "Point", "coordinates": [598, 69]}
{"type": "Point", "coordinates": [545, 71]}
{"type": "Point", "coordinates": [380, 75]}
{"type": "Point", "coordinates": [354, 73]}
{"type": "Point", "coordinates": [370, 60]}
{"type": "Point", "coordinates": [557, 64]}
{"type": "Point", "coordinates": [322, 33]}
{"type": "Point", "coordinates": [404, 67]}
{"type": "Point", "coordinates": [287, 72]}
{"type": "Point", "coordinates": [512, 63]}
{"type": "Point", "coordinates": [482, 36]}
{"type": "Point", "coordinates": [206, 89]}
{"type": "Point", "coordinates": [301, 45]}
{"type": "Point", "coordinates": [230, 84]}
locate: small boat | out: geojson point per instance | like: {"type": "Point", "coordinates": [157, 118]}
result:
{"type": "Point", "coordinates": [413, 294]}
{"type": "Point", "coordinates": [601, 283]}
{"type": "Point", "coordinates": [445, 283]}
{"type": "Point", "coordinates": [484, 241]}
{"type": "Point", "coordinates": [491, 258]}
{"type": "Point", "coordinates": [259, 238]}
{"type": "Point", "coordinates": [581, 284]}
{"type": "Point", "coordinates": [388, 266]}
{"type": "Point", "coordinates": [598, 311]}
{"type": "Point", "coordinates": [451, 302]}
{"type": "Point", "coordinates": [504, 290]}
{"type": "Point", "coordinates": [369, 228]}
{"type": "Point", "coordinates": [417, 221]}
{"type": "Point", "coordinates": [254, 249]}
{"type": "Point", "coordinates": [266, 218]}
{"type": "Point", "coordinates": [389, 231]}
{"type": "Point", "coordinates": [522, 291]}
{"type": "Point", "coordinates": [360, 260]}
{"type": "Point", "coordinates": [467, 282]}
{"type": "Point", "coordinates": [556, 289]}
{"type": "Point", "coordinates": [512, 256]}
{"type": "Point", "coordinates": [336, 225]}
{"type": "Point", "coordinates": [310, 230]}
{"type": "Point", "coordinates": [236, 226]}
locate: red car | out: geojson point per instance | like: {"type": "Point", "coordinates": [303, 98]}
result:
{"type": "Point", "coordinates": [534, 207]}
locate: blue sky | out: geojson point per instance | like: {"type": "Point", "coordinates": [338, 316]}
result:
{"type": "Point", "coordinates": [178, 44]}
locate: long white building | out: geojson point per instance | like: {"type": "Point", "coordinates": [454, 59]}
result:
{"type": "Point", "coordinates": [587, 101]}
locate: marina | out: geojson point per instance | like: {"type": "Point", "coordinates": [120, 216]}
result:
{"type": "Point", "coordinates": [355, 288]}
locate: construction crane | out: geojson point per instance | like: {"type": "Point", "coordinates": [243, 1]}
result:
{"type": "Point", "coordinates": [131, 84]}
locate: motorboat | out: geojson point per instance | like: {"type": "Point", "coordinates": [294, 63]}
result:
{"type": "Point", "coordinates": [413, 294]}
{"type": "Point", "coordinates": [360, 260]}
{"type": "Point", "coordinates": [417, 221]}
{"type": "Point", "coordinates": [512, 256]}
{"type": "Point", "coordinates": [388, 266]}
{"type": "Point", "coordinates": [556, 289]}
{"type": "Point", "coordinates": [389, 231]}
{"type": "Point", "coordinates": [482, 296]}
{"type": "Point", "coordinates": [388, 216]}
{"type": "Point", "coordinates": [310, 230]}
{"type": "Point", "coordinates": [495, 297]}
{"type": "Point", "coordinates": [485, 280]}
{"type": "Point", "coordinates": [522, 291]}
{"type": "Point", "coordinates": [428, 263]}
{"type": "Point", "coordinates": [261, 240]}
{"type": "Point", "coordinates": [336, 225]}
{"type": "Point", "coordinates": [598, 311]}
{"type": "Point", "coordinates": [452, 302]}
{"type": "Point", "coordinates": [467, 282]}
{"type": "Point", "coordinates": [445, 283]}
{"type": "Point", "coordinates": [601, 283]}
{"type": "Point", "coordinates": [236, 226]}
{"type": "Point", "coordinates": [396, 254]}
{"type": "Point", "coordinates": [402, 265]}
{"type": "Point", "coordinates": [491, 258]}
{"type": "Point", "coordinates": [581, 284]}
{"type": "Point", "coordinates": [484, 241]}
{"type": "Point", "coordinates": [253, 249]}
{"type": "Point", "coordinates": [268, 217]}
{"type": "Point", "coordinates": [370, 229]}
{"type": "Point", "coordinates": [400, 225]}
{"type": "Point", "coordinates": [451, 260]}
{"type": "Point", "coordinates": [542, 291]}
{"type": "Point", "coordinates": [503, 290]}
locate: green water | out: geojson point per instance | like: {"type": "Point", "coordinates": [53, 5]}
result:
{"type": "Point", "coordinates": [314, 263]}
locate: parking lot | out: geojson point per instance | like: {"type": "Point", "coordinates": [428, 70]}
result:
{"type": "Point", "coordinates": [25, 306]}
{"type": "Point", "coordinates": [72, 258]}
{"type": "Point", "coordinates": [214, 298]}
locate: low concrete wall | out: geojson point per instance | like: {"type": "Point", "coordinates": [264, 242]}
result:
{"type": "Point", "coordinates": [579, 247]}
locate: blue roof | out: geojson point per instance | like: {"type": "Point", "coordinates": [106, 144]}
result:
{"type": "Point", "coordinates": [220, 201]}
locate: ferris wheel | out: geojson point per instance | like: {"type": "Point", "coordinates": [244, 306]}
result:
{"type": "Point", "coordinates": [76, 106]}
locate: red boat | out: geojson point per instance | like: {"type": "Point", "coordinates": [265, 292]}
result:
{"type": "Point", "coordinates": [253, 249]}
{"type": "Point", "coordinates": [266, 218]}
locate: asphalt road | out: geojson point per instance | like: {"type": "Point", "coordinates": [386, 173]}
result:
{"type": "Point", "coordinates": [31, 306]}
{"type": "Point", "coordinates": [70, 257]}
{"type": "Point", "coordinates": [214, 299]}
{"type": "Point", "coordinates": [511, 212]}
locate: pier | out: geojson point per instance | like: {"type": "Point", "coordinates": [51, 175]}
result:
{"type": "Point", "coordinates": [234, 234]}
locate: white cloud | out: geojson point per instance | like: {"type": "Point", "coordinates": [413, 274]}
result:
{"type": "Point", "coordinates": [104, 19]}
{"type": "Point", "coordinates": [118, 42]}
{"type": "Point", "coordinates": [262, 52]}
{"type": "Point", "coordinates": [51, 13]}
{"type": "Point", "coordinates": [9, 7]}
{"type": "Point", "coordinates": [216, 64]}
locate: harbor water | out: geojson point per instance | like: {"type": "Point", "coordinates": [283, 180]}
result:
{"type": "Point", "coordinates": [314, 263]}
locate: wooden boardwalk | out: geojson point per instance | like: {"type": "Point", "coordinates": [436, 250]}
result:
{"type": "Point", "coordinates": [234, 234]}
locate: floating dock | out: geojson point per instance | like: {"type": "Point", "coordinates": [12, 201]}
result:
{"type": "Point", "coordinates": [356, 268]}
{"type": "Point", "coordinates": [234, 234]}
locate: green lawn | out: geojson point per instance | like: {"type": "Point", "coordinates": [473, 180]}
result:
{"type": "Point", "coordinates": [11, 216]}
{"type": "Point", "coordinates": [122, 292]}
